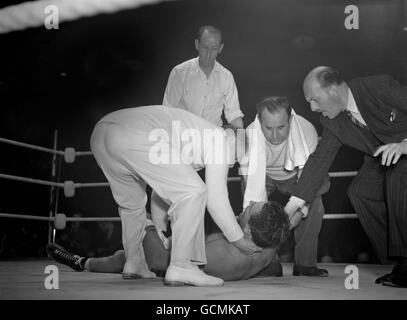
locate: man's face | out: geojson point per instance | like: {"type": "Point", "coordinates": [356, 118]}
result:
{"type": "Point", "coordinates": [275, 126]}
{"type": "Point", "coordinates": [209, 46]}
{"type": "Point", "coordinates": [323, 100]}
{"type": "Point", "coordinates": [252, 208]}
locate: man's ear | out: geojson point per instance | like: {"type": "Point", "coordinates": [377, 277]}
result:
{"type": "Point", "coordinates": [333, 91]}
{"type": "Point", "coordinates": [221, 48]}
{"type": "Point", "coordinates": [196, 44]}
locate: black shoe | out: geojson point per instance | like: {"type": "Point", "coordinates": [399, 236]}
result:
{"type": "Point", "coordinates": [395, 281]}
{"type": "Point", "coordinates": [397, 278]}
{"type": "Point", "coordinates": [62, 256]}
{"type": "Point", "coordinates": [384, 278]}
{"type": "Point", "coordinates": [273, 269]}
{"type": "Point", "coordinates": [300, 270]}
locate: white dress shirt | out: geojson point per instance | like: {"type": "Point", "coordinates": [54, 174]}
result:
{"type": "Point", "coordinates": [353, 108]}
{"type": "Point", "coordinates": [189, 88]}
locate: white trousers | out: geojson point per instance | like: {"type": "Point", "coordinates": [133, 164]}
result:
{"type": "Point", "coordinates": [123, 155]}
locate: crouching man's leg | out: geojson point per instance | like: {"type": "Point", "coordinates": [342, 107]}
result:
{"type": "Point", "coordinates": [182, 188]}
{"type": "Point", "coordinates": [306, 238]}
{"type": "Point", "coordinates": [112, 147]}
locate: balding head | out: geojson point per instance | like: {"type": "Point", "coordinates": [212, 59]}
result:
{"type": "Point", "coordinates": [324, 76]}
{"type": "Point", "coordinates": [209, 30]}
{"type": "Point", "coordinates": [326, 91]}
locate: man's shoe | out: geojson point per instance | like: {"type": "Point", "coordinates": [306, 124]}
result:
{"type": "Point", "coordinates": [397, 278]}
{"type": "Point", "coordinates": [273, 269]}
{"type": "Point", "coordinates": [176, 276]}
{"type": "Point", "coordinates": [395, 281]}
{"type": "Point", "coordinates": [132, 270]}
{"type": "Point", "coordinates": [385, 278]}
{"type": "Point", "coordinates": [63, 256]}
{"type": "Point", "coordinates": [300, 270]}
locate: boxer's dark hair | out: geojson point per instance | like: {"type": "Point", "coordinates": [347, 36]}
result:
{"type": "Point", "coordinates": [328, 76]}
{"type": "Point", "coordinates": [270, 227]}
{"type": "Point", "coordinates": [273, 105]}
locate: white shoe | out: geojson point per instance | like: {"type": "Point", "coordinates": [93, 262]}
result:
{"type": "Point", "coordinates": [176, 276]}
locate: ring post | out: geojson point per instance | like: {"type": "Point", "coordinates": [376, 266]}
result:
{"type": "Point", "coordinates": [53, 190]}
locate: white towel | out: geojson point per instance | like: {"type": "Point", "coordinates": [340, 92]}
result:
{"type": "Point", "coordinates": [299, 147]}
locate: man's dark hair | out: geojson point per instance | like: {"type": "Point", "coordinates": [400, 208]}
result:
{"type": "Point", "coordinates": [274, 104]}
{"type": "Point", "coordinates": [270, 227]}
{"type": "Point", "coordinates": [210, 29]}
{"type": "Point", "coordinates": [328, 76]}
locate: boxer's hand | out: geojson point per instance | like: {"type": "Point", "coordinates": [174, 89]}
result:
{"type": "Point", "coordinates": [295, 219]}
{"type": "Point", "coordinates": [391, 152]}
{"type": "Point", "coordinates": [247, 246]}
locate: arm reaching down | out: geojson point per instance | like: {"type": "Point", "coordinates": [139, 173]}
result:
{"type": "Point", "coordinates": [221, 211]}
{"type": "Point", "coordinates": [247, 246]}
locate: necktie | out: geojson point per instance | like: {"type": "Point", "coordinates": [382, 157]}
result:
{"type": "Point", "coordinates": [354, 120]}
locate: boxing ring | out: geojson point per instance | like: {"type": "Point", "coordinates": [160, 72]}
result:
{"type": "Point", "coordinates": [25, 279]}
{"type": "Point", "coordinates": [58, 220]}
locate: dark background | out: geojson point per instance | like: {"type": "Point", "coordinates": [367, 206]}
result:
{"type": "Point", "coordinates": [67, 79]}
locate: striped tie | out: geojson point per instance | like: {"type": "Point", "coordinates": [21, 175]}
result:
{"type": "Point", "coordinates": [354, 120]}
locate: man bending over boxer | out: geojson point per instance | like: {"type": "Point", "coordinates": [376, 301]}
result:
{"type": "Point", "coordinates": [164, 148]}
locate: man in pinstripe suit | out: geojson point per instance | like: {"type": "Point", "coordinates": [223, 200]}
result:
{"type": "Point", "coordinates": [370, 115]}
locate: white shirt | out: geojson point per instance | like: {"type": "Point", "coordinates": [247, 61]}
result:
{"type": "Point", "coordinates": [275, 159]}
{"type": "Point", "coordinates": [353, 108]}
{"type": "Point", "coordinates": [188, 88]}
{"type": "Point", "coordinates": [173, 126]}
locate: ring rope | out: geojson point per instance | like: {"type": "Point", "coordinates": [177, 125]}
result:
{"type": "Point", "coordinates": [31, 146]}
{"type": "Point", "coordinates": [83, 153]}
{"type": "Point", "coordinates": [24, 216]}
{"type": "Point", "coordinates": [331, 216]}
{"type": "Point", "coordinates": [71, 219]}
{"type": "Point", "coordinates": [106, 184]}
{"type": "Point", "coordinates": [30, 180]}
{"type": "Point", "coordinates": [343, 174]}
{"type": "Point", "coordinates": [69, 154]}
{"type": "Point", "coordinates": [91, 184]}
{"type": "Point", "coordinates": [101, 184]}
{"type": "Point", "coordinates": [32, 13]}
{"type": "Point", "coordinates": [327, 216]}
{"type": "Point", "coordinates": [91, 219]}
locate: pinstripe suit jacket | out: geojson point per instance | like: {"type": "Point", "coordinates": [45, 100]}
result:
{"type": "Point", "coordinates": [376, 98]}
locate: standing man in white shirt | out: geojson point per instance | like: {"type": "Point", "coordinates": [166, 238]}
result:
{"type": "Point", "coordinates": [203, 86]}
